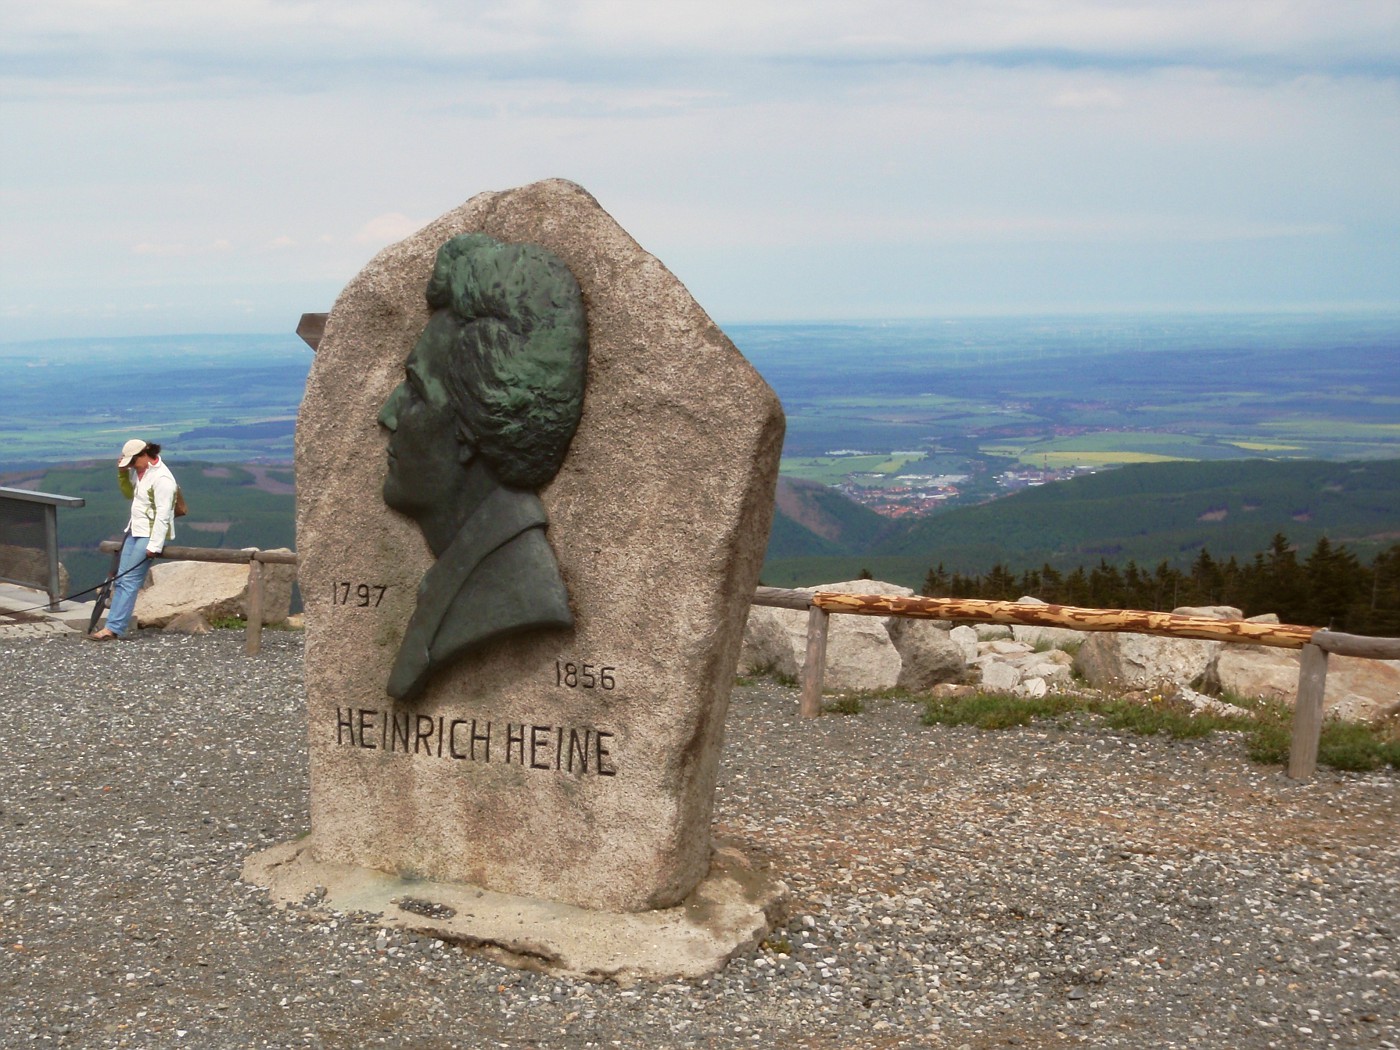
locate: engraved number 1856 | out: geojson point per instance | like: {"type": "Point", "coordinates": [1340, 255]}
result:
{"type": "Point", "coordinates": [583, 676]}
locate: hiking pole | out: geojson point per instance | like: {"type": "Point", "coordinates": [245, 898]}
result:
{"type": "Point", "coordinates": [101, 603]}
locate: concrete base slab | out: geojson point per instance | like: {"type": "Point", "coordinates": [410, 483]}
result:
{"type": "Point", "coordinates": [24, 613]}
{"type": "Point", "coordinates": [732, 909]}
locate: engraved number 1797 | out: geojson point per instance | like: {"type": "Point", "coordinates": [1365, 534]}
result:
{"type": "Point", "coordinates": [364, 595]}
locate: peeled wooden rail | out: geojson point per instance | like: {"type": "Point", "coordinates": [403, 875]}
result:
{"type": "Point", "coordinates": [1314, 642]}
{"type": "Point", "coordinates": [254, 558]}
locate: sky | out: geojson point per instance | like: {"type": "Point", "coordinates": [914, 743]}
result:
{"type": "Point", "coordinates": [169, 166]}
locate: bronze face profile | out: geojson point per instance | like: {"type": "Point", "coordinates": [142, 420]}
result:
{"type": "Point", "coordinates": [491, 397]}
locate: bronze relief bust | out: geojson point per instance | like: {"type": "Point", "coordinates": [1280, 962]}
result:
{"type": "Point", "coordinates": [491, 397]}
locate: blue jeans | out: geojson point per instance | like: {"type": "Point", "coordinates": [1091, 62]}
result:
{"type": "Point", "coordinates": [131, 573]}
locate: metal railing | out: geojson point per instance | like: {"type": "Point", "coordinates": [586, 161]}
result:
{"type": "Point", "coordinates": [22, 513]}
{"type": "Point", "coordinates": [1315, 643]}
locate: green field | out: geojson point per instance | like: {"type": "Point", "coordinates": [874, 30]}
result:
{"type": "Point", "coordinates": [832, 470]}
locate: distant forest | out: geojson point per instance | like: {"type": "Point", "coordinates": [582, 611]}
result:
{"type": "Point", "coordinates": [1329, 588]}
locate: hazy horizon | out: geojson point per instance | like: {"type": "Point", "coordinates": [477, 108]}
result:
{"type": "Point", "coordinates": [1390, 314]}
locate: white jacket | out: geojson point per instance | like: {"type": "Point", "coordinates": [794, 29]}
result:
{"type": "Point", "coordinates": [153, 505]}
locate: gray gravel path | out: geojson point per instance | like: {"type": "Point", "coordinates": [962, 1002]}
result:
{"type": "Point", "coordinates": [951, 888]}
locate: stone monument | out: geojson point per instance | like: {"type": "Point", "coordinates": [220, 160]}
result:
{"type": "Point", "coordinates": [534, 483]}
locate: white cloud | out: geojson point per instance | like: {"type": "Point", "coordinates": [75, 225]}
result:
{"type": "Point", "coordinates": [386, 229]}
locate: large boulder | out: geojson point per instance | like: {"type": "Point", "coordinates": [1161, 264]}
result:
{"type": "Point", "coordinates": [1127, 660]}
{"type": "Point", "coordinates": [767, 647]}
{"type": "Point", "coordinates": [1357, 690]}
{"type": "Point", "coordinates": [928, 655]}
{"type": "Point", "coordinates": [1362, 690]}
{"type": "Point", "coordinates": [212, 590]}
{"type": "Point", "coordinates": [1253, 671]}
{"type": "Point", "coordinates": [859, 654]}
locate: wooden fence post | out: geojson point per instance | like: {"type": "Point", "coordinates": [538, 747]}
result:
{"type": "Point", "coordinates": [255, 605]}
{"type": "Point", "coordinates": [814, 663]}
{"type": "Point", "coordinates": [1307, 712]}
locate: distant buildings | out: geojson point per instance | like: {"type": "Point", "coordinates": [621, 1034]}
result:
{"type": "Point", "coordinates": [920, 493]}
{"type": "Point", "coordinates": [915, 494]}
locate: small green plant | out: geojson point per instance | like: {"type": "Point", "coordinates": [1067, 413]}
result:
{"type": "Point", "coordinates": [1354, 746]}
{"type": "Point", "coordinates": [1267, 728]}
{"type": "Point", "coordinates": [995, 710]}
{"type": "Point", "coordinates": [1160, 715]}
{"type": "Point", "coordinates": [228, 623]}
{"type": "Point", "coordinates": [843, 705]}
{"type": "Point", "coordinates": [777, 945]}
{"type": "Point", "coordinates": [766, 671]}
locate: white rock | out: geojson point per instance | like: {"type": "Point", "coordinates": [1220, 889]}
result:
{"type": "Point", "coordinates": [1202, 704]}
{"type": "Point", "coordinates": [965, 637]}
{"type": "Point", "coordinates": [1032, 687]}
{"type": "Point", "coordinates": [1000, 677]}
{"type": "Point", "coordinates": [1005, 647]}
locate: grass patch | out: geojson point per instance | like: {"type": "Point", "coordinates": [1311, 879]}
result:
{"type": "Point", "coordinates": [1268, 730]}
{"type": "Point", "coordinates": [229, 623]}
{"type": "Point", "coordinates": [1353, 746]}
{"type": "Point", "coordinates": [996, 710]}
{"type": "Point", "coordinates": [843, 705]}
{"type": "Point", "coordinates": [778, 677]}
{"type": "Point", "coordinates": [1163, 716]}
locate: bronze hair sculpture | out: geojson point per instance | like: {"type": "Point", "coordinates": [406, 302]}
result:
{"type": "Point", "coordinates": [492, 395]}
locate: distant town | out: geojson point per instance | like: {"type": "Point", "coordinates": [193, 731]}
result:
{"type": "Point", "coordinates": [911, 495]}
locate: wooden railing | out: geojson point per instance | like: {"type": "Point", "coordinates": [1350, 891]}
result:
{"type": "Point", "coordinates": [1314, 642]}
{"type": "Point", "coordinates": [254, 558]}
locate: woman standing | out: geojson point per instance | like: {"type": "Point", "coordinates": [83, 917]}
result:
{"type": "Point", "coordinates": [151, 487]}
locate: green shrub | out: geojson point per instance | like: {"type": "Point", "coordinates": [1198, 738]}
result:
{"type": "Point", "coordinates": [995, 710]}
{"type": "Point", "coordinates": [843, 705]}
{"type": "Point", "coordinates": [1350, 745]}
{"type": "Point", "coordinates": [1164, 716]}
{"type": "Point", "coordinates": [1268, 730]}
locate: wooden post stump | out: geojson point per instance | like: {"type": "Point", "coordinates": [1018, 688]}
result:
{"type": "Point", "coordinates": [814, 663]}
{"type": "Point", "coordinates": [1307, 712]}
{"type": "Point", "coordinates": [253, 644]}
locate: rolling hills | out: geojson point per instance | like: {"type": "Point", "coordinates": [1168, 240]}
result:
{"type": "Point", "coordinates": [1144, 512]}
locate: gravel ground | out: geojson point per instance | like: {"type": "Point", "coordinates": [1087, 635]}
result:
{"type": "Point", "coordinates": [951, 888]}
